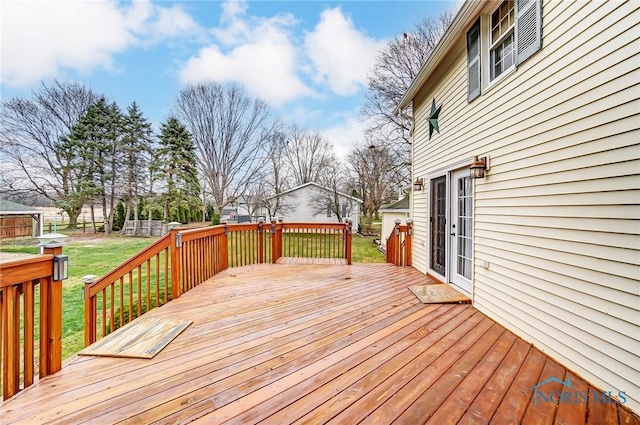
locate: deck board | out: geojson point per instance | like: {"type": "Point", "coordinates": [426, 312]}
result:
{"type": "Point", "coordinates": [312, 343]}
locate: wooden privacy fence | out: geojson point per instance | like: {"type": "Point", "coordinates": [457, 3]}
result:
{"type": "Point", "coordinates": [16, 227]}
{"type": "Point", "coordinates": [30, 310]}
{"type": "Point", "coordinates": [399, 244]}
{"type": "Point", "coordinates": [184, 258]}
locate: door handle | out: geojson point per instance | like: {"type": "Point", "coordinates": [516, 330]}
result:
{"type": "Point", "coordinates": [453, 234]}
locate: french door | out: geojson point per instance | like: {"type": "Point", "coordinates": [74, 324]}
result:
{"type": "Point", "coordinates": [461, 231]}
{"type": "Point", "coordinates": [451, 229]}
{"type": "Point", "coordinates": [438, 228]}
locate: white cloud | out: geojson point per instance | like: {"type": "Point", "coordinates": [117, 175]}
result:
{"type": "Point", "coordinates": [173, 22]}
{"type": "Point", "coordinates": [344, 136]}
{"type": "Point", "coordinates": [340, 53]}
{"type": "Point", "coordinates": [262, 57]}
{"type": "Point", "coordinates": [39, 38]}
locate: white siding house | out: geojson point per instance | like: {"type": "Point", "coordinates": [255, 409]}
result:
{"type": "Point", "coordinates": [398, 210]}
{"type": "Point", "coordinates": [548, 242]}
{"type": "Point", "coordinates": [302, 204]}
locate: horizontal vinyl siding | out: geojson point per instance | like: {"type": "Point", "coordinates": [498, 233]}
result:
{"type": "Point", "coordinates": [420, 237]}
{"type": "Point", "coordinates": [557, 219]}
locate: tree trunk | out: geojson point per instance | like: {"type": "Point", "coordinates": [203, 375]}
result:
{"type": "Point", "coordinates": [112, 210]}
{"type": "Point", "coordinates": [105, 217]}
{"type": "Point", "coordinates": [93, 219]}
{"type": "Point", "coordinates": [136, 220]}
{"type": "Point", "coordinates": [127, 214]}
{"type": "Point", "coordinates": [73, 213]}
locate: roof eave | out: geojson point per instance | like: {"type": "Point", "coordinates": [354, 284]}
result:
{"type": "Point", "coordinates": [463, 18]}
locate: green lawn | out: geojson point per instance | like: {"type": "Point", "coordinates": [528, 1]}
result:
{"type": "Point", "coordinates": [85, 257]}
{"type": "Point", "coordinates": [364, 250]}
{"type": "Point", "coordinates": [97, 257]}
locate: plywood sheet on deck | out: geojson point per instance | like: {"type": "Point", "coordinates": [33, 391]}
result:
{"type": "Point", "coordinates": [308, 261]}
{"type": "Point", "coordinates": [438, 294]}
{"type": "Point", "coordinates": [143, 338]}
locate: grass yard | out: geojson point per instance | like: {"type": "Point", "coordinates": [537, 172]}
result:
{"type": "Point", "coordinates": [364, 250]}
{"type": "Point", "coordinates": [93, 256]}
{"type": "Point", "coordinates": [100, 255]}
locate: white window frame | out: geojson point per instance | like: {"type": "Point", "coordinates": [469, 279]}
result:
{"type": "Point", "coordinates": [510, 32]}
{"type": "Point", "coordinates": [523, 49]}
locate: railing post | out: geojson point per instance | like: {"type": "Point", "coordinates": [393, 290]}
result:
{"type": "Point", "coordinates": [408, 242]}
{"type": "Point", "coordinates": [90, 315]}
{"type": "Point", "coordinates": [51, 320]}
{"type": "Point", "coordinates": [347, 241]}
{"type": "Point", "coordinates": [225, 248]}
{"type": "Point", "coordinates": [176, 248]}
{"type": "Point", "coordinates": [397, 246]}
{"type": "Point", "coordinates": [274, 242]}
{"type": "Point", "coordinates": [260, 242]}
{"type": "Point", "coordinates": [280, 230]}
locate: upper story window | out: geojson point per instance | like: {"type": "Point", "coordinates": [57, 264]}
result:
{"type": "Point", "coordinates": [501, 40]}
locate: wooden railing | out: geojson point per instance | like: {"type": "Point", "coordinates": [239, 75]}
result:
{"type": "Point", "coordinates": [184, 258]}
{"type": "Point", "coordinates": [399, 244]}
{"type": "Point", "coordinates": [129, 290]}
{"type": "Point", "coordinates": [326, 240]}
{"type": "Point", "coordinates": [30, 310]}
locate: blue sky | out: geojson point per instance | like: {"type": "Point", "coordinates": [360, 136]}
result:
{"type": "Point", "coordinates": [307, 59]}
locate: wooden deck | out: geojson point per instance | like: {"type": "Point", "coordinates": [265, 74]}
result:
{"type": "Point", "coordinates": [315, 344]}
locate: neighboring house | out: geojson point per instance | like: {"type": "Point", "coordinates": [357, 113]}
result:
{"type": "Point", "coordinates": [302, 204]}
{"type": "Point", "coordinates": [398, 210]}
{"type": "Point", "coordinates": [17, 220]}
{"type": "Point", "coordinates": [547, 242]}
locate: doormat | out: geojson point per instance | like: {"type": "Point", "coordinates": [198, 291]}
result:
{"type": "Point", "coordinates": [143, 339]}
{"type": "Point", "coordinates": [438, 294]}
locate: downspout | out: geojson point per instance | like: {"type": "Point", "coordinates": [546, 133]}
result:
{"type": "Point", "coordinates": [410, 118]}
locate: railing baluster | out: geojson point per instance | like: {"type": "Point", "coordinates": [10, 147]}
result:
{"type": "Point", "coordinates": [121, 301]}
{"type": "Point", "coordinates": [148, 284]}
{"type": "Point", "coordinates": [139, 291]}
{"type": "Point", "coordinates": [166, 274]}
{"type": "Point", "coordinates": [130, 297]}
{"type": "Point", "coordinates": [157, 257]}
{"type": "Point", "coordinates": [104, 311]}
{"type": "Point", "coordinates": [29, 318]}
{"type": "Point", "coordinates": [112, 306]}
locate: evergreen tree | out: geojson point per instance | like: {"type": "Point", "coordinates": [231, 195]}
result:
{"type": "Point", "coordinates": [118, 219]}
{"type": "Point", "coordinates": [174, 168]}
{"type": "Point", "coordinates": [137, 139]}
{"type": "Point", "coordinates": [95, 139]}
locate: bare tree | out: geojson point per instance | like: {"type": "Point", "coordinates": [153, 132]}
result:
{"type": "Point", "coordinates": [309, 155]}
{"type": "Point", "coordinates": [31, 152]}
{"type": "Point", "coordinates": [374, 177]}
{"type": "Point", "coordinates": [334, 199]}
{"type": "Point", "coordinates": [397, 64]}
{"type": "Point", "coordinates": [277, 179]}
{"type": "Point", "coordinates": [228, 128]}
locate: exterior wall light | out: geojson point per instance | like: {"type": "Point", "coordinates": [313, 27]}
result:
{"type": "Point", "coordinates": [60, 267]}
{"type": "Point", "coordinates": [478, 167]}
{"type": "Point", "coordinates": [418, 184]}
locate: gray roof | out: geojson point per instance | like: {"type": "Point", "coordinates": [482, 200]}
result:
{"type": "Point", "coordinates": [402, 204]}
{"type": "Point", "coordinates": [13, 208]}
{"type": "Point", "coordinates": [320, 187]}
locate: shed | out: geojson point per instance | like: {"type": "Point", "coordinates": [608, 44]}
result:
{"type": "Point", "coordinates": [17, 220]}
{"type": "Point", "coordinates": [398, 210]}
